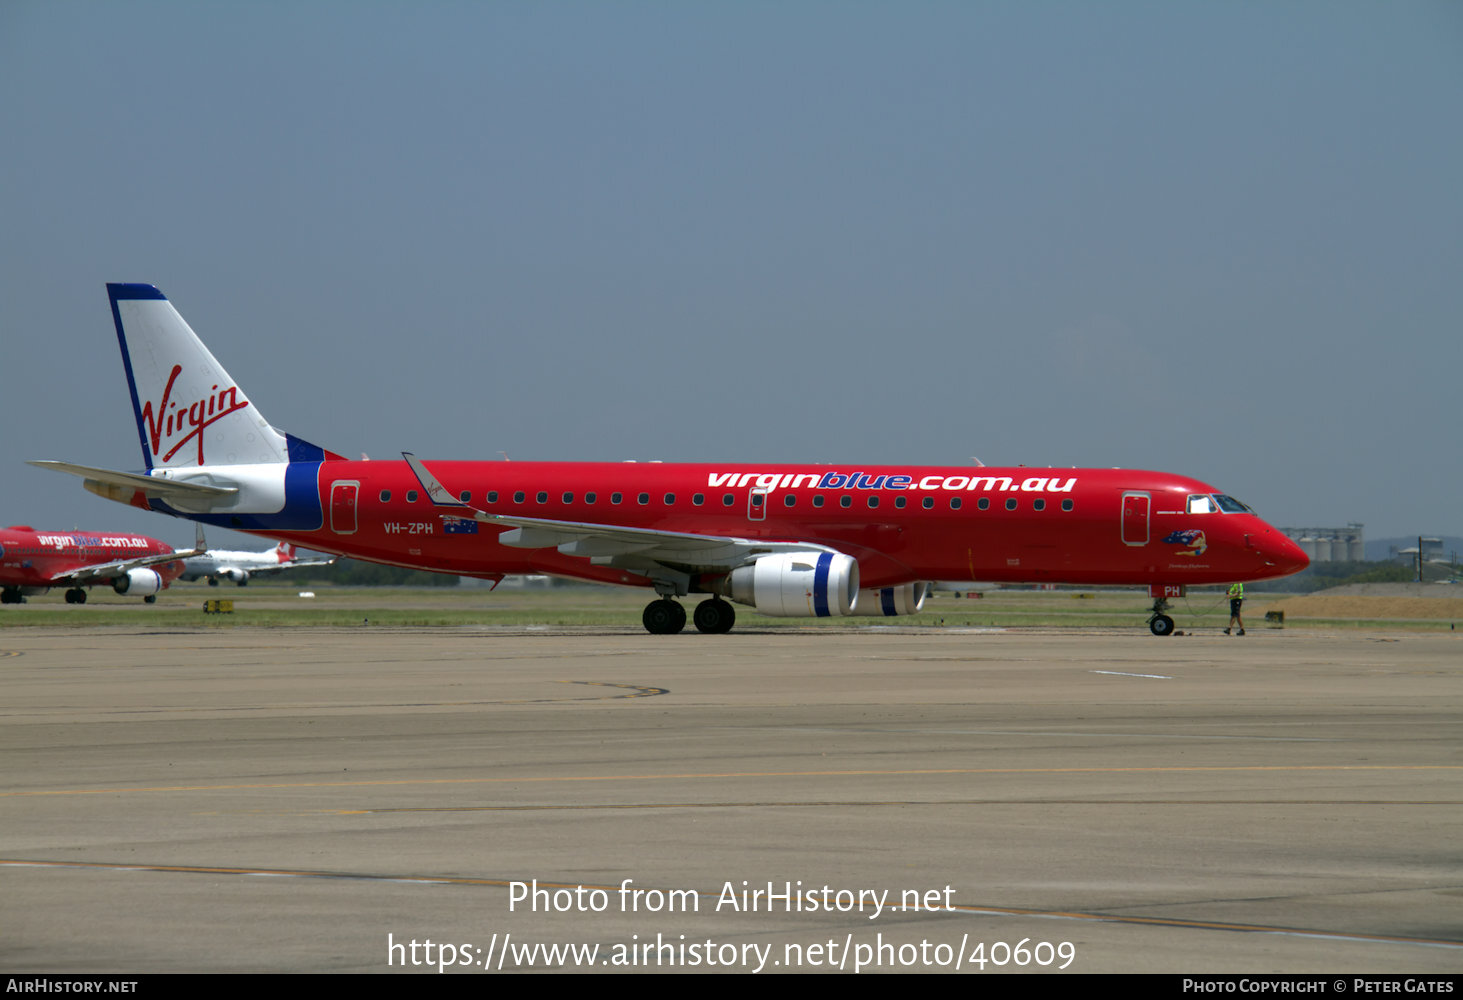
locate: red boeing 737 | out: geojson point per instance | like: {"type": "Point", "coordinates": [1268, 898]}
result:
{"type": "Point", "coordinates": [787, 540]}
{"type": "Point", "coordinates": [32, 562]}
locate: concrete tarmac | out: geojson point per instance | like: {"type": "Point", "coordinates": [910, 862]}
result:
{"type": "Point", "coordinates": [333, 800]}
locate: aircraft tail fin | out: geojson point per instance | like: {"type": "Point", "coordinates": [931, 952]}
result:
{"type": "Point", "coordinates": [189, 411]}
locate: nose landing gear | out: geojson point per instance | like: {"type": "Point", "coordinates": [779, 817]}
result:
{"type": "Point", "coordinates": [1160, 623]}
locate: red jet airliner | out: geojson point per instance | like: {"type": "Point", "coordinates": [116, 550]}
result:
{"type": "Point", "coordinates": [787, 540]}
{"type": "Point", "coordinates": [32, 562]}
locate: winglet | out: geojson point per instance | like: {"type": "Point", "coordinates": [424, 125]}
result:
{"type": "Point", "coordinates": [435, 491]}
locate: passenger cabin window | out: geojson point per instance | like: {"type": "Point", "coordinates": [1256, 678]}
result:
{"type": "Point", "coordinates": [984, 503]}
{"type": "Point", "coordinates": [789, 500]}
{"type": "Point", "coordinates": [1038, 504]}
{"type": "Point", "coordinates": [845, 501]}
{"type": "Point", "coordinates": [727, 499]}
{"type": "Point", "coordinates": [698, 498]}
{"type": "Point", "coordinates": [818, 500]}
{"type": "Point", "coordinates": [411, 496]}
{"type": "Point", "coordinates": [642, 499]}
{"type": "Point", "coordinates": [465, 496]}
{"type": "Point", "coordinates": [492, 496]}
{"type": "Point", "coordinates": [616, 497]}
{"type": "Point", "coordinates": [954, 503]}
{"type": "Point", "coordinates": [928, 503]}
{"type": "Point", "coordinates": [873, 502]}
{"type": "Point", "coordinates": [1066, 505]}
{"type": "Point", "coordinates": [1010, 503]}
{"type": "Point", "coordinates": [1199, 503]}
{"type": "Point", "coordinates": [542, 497]}
{"type": "Point", "coordinates": [589, 498]}
{"type": "Point", "coordinates": [670, 498]}
{"type": "Point", "coordinates": [568, 497]}
{"type": "Point", "coordinates": [385, 496]}
{"type": "Point", "coordinates": [899, 502]}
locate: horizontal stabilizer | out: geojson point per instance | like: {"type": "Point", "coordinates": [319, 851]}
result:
{"type": "Point", "coordinates": [152, 486]}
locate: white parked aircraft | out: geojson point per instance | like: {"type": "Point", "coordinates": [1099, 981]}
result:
{"type": "Point", "coordinates": [239, 566]}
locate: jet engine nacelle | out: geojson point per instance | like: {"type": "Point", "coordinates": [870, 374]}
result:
{"type": "Point", "coordinates": [906, 599]}
{"type": "Point", "coordinates": [796, 584]}
{"type": "Point", "coordinates": [234, 575]}
{"type": "Point", "coordinates": [138, 583]}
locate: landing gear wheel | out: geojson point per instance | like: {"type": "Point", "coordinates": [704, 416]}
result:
{"type": "Point", "coordinates": [213, 581]}
{"type": "Point", "coordinates": [1161, 625]}
{"type": "Point", "coordinates": [714, 616]}
{"type": "Point", "coordinates": [663, 617]}
{"type": "Point", "coordinates": [149, 599]}
{"type": "Point", "coordinates": [75, 596]}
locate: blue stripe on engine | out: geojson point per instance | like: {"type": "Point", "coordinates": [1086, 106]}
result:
{"type": "Point", "coordinates": [820, 585]}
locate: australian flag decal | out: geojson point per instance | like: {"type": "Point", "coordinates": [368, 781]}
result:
{"type": "Point", "coordinates": [1192, 539]}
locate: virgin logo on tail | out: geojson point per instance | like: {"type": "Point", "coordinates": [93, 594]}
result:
{"type": "Point", "coordinates": [172, 418]}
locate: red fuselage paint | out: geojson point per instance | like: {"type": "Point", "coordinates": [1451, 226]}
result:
{"type": "Point", "coordinates": [30, 558]}
{"type": "Point", "coordinates": [902, 523]}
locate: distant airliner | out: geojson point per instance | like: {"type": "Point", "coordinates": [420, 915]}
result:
{"type": "Point", "coordinates": [32, 562]}
{"type": "Point", "coordinates": [222, 564]}
{"type": "Point", "coordinates": [787, 540]}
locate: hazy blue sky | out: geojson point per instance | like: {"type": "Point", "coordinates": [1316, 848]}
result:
{"type": "Point", "coordinates": [1219, 239]}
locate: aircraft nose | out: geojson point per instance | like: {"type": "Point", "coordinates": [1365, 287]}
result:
{"type": "Point", "coordinates": [1282, 553]}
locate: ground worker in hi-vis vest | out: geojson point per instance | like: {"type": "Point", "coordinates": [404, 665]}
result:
{"type": "Point", "coordinates": [1236, 598]}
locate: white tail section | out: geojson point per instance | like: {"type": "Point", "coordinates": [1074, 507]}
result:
{"type": "Point", "coordinates": [189, 411]}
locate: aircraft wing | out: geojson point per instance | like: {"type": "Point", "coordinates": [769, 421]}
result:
{"type": "Point", "coordinates": [310, 562]}
{"type": "Point", "coordinates": [604, 541]}
{"type": "Point", "coordinates": [106, 571]}
{"type": "Point", "coordinates": [292, 564]}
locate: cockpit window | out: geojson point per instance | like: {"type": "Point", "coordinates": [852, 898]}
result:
{"type": "Point", "coordinates": [1230, 505]}
{"type": "Point", "coordinates": [1200, 503]}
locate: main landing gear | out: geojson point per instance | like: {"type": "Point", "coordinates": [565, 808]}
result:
{"type": "Point", "coordinates": [75, 596]}
{"type": "Point", "coordinates": [715, 616]}
{"type": "Point", "coordinates": [11, 595]}
{"type": "Point", "coordinates": [667, 617]}
{"type": "Point", "coordinates": [1160, 623]}
{"type": "Point", "coordinates": [664, 617]}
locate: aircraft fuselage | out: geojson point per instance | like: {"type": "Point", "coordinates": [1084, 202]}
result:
{"type": "Point", "coordinates": [902, 523]}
